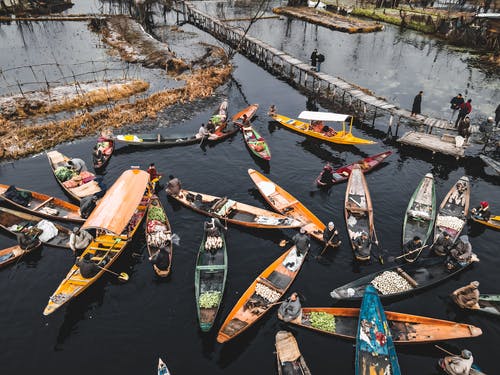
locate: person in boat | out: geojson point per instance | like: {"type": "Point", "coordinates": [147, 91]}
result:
{"type": "Point", "coordinates": [88, 268]}
{"type": "Point", "coordinates": [458, 195]}
{"type": "Point", "coordinates": [482, 212]}
{"type": "Point", "coordinates": [290, 309]}
{"type": "Point", "coordinates": [412, 246]}
{"type": "Point", "coordinates": [272, 110]}
{"type": "Point", "coordinates": [462, 251]}
{"type": "Point", "coordinates": [223, 108]}
{"type": "Point", "coordinates": [210, 127]}
{"type": "Point", "coordinates": [173, 186]}
{"type": "Point", "coordinates": [302, 242]}
{"type": "Point", "coordinates": [212, 227]}
{"type": "Point", "coordinates": [79, 240]}
{"type": "Point", "coordinates": [362, 246]}
{"type": "Point", "coordinates": [364, 165]}
{"type": "Point", "coordinates": [326, 175]}
{"type": "Point", "coordinates": [467, 297]}
{"type": "Point", "coordinates": [87, 205]}
{"type": "Point", "coordinates": [458, 365]}
{"type": "Point", "coordinates": [317, 126]}
{"type": "Point", "coordinates": [331, 235]}
{"type": "Point", "coordinates": [443, 244]}
{"type": "Point", "coordinates": [78, 165]}
{"type": "Point", "coordinates": [27, 242]}
{"type": "Point", "coordinates": [202, 132]}
{"type": "Point", "coordinates": [161, 258]}
{"type": "Point", "coordinates": [97, 155]}
{"type": "Point", "coordinates": [153, 173]}
{"type": "Point", "coordinates": [245, 121]}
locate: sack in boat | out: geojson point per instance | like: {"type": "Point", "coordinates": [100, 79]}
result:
{"type": "Point", "coordinates": [20, 197]}
{"type": "Point", "coordinates": [49, 230]}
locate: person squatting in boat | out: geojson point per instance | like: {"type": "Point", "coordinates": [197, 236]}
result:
{"type": "Point", "coordinates": [290, 309]}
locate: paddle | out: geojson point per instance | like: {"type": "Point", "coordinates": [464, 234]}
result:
{"type": "Point", "coordinates": [326, 246]}
{"type": "Point", "coordinates": [474, 366]}
{"type": "Point", "coordinates": [391, 259]}
{"type": "Point", "coordinates": [122, 276]}
{"type": "Point", "coordinates": [380, 259]}
{"type": "Point", "coordinates": [496, 218]}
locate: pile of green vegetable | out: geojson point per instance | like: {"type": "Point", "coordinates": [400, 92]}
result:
{"type": "Point", "coordinates": [210, 299]}
{"type": "Point", "coordinates": [156, 213]}
{"type": "Point", "coordinates": [64, 174]}
{"type": "Point", "coordinates": [323, 321]}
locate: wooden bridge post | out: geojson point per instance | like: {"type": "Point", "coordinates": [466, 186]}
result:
{"type": "Point", "coordinates": [397, 126]}
{"type": "Point", "coordinates": [374, 117]}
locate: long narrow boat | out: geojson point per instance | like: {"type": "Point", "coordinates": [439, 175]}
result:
{"type": "Point", "coordinates": [453, 211]}
{"type": "Point", "coordinates": [106, 146]}
{"type": "Point", "coordinates": [289, 359]}
{"type": "Point", "coordinates": [13, 253]}
{"type": "Point", "coordinates": [491, 162]}
{"type": "Point", "coordinates": [45, 206]}
{"type": "Point", "coordinates": [16, 221]}
{"type": "Point", "coordinates": [162, 368]}
{"type": "Point", "coordinates": [119, 215]}
{"type": "Point", "coordinates": [420, 214]}
{"type": "Point", "coordinates": [401, 280]}
{"type": "Point", "coordinates": [358, 212]}
{"type": "Point", "coordinates": [260, 296]}
{"type": "Point", "coordinates": [375, 351]}
{"type": "Point", "coordinates": [287, 204]}
{"type": "Point", "coordinates": [493, 223]}
{"type": "Point", "coordinates": [488, 304]}
{"type": "Point", "coordinates": [158, 233]}
{"type": "Point", "coordinates": [78, 186]}
{"type": "Point", "coordinates": [255, 142]}
{"type": "Point", "coordinates": [367, 165]}
{"type": "Point", "coordinates": [405, 328]}
{"type": "Point", "coordinates": [323, 132]}
{"type": "Point", "coordinates": [210, 280]}
{"type": "Point", "coordinates": [234, 212]}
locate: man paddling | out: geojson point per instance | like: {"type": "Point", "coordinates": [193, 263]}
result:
{"type": "Point", "coordinates": [482, 212]}
{"type": "Point", "coordinates": [467, 297]}
{"type": "Point", "coordinates": [362, 246]}
{"type": "Point", "coordinates": [290, 309]}
{"type": "Point", "coordinates": [412, 245]}
{"type": "Point", "coordinates": [88, 269]}
{"type": "Point", "coordinates": [331, 235]}
{"type": "Point", "coordinates": [457, 365]}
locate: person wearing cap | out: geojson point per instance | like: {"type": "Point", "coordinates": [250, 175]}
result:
{"type": "Point", "coordinates": [482, 212]}
{"type": "Point", "coordinates": [79, 240]}
{"type": "Point", "coordinates": [456, 102]}
{"type": "Point", "coordinates": [458, 365]}
{"type": "Point", "coordinates": [78, 165]}
{"type": "Point", "coordinates": [290, 309]}
{"type": "Point", "coordinates": [326, 177]}
{"type": "Point", "coordinates": [88, 268]}
{"type": "Point", "coordinates": [173, 186]}
{"type": "Point", "coordinates": [462, 251]}
{"type": "Point", "coordinates": [467, 297]}
{"type": "Point", "coordinates": [362, 246]}
{"type": "Point", "coordinates": [412, 245]}
{"type": "Point", "coordinates": [331, 235]}
{"type": "Point", "coordinates": [302, 242]}
{"type": "Point", "coordinates": [443, 244]}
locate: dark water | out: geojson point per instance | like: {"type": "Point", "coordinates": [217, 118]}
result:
{"type": "Point", "coordinates": [118, 328]}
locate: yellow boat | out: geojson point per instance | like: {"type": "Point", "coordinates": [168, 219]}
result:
{"type": "Point", "coordinates": [117, 216]}
{"type": "Point", "coordinates": [316, 128]}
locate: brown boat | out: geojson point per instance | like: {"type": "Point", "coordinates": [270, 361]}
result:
{"type": "Point", "coordinates": [405, 328]}
{"type": "Point", "coordinates": [358, 212]}
{"type": "Point", "coordinates": [16, 221]}
{"type": "Point", "coordinates": [45, 206]}
{"type": "Point", "coordinates": [287, 204]}
{"type": "Point", "coordinates": [290, 360]}
{"type": "Point", "coordinates": [13, 253]}
{"type": "Point", "coordinates": [266, 289]}
{"type": "Point", "coordinates": [78, 186]}
{"type": "Point", "coordinates": [234, 212]}
{"type": "Point", "coordinates": [158, 233]}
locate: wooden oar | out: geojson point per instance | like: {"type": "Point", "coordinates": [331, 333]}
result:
{"type": "Point", "coordinates": [410, 252]}
{"type": "Point", "coordinates": [326, 246]}
{"type": "Point", "coordinates": [122, 276]}
{"type": "Point", "coordinates": [496, 218]}
{"type": "Point", "coordinates": [380, 259]}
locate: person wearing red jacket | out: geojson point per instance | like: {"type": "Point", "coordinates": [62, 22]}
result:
{"type": "Point", "coordinates": [465, 109]}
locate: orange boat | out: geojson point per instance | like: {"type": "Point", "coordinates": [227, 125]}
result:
{"type": "Point", "coordinates": [287, 204]}
{"type": "Point", "coordinates": [405, 328]}
{"type": "Point", "coordinates": [14, 253]}
{"type": "Point", "coordinates": [117, 215]}
{"type": "Point", "coordinates": [267, 288]}
{"type": "Point", "coordinates": [46, 206]}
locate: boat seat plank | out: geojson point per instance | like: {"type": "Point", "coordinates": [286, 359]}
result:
{"type": "Point", "coordinates": [269, 284]}
{"type": "Point", "coordinates": [211, 267]}
{"type": "Point", "coordinates": [43, 203]}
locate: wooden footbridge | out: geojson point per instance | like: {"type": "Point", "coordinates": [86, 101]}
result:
{"type": "Point", "coordinates": [299, 74]}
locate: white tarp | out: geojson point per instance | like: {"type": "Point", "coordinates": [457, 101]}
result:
{"type": "Point", "coordinates": [322, 116]}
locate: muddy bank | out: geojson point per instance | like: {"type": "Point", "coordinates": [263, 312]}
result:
{"type": "Point", "coordinates": [330, 20]}
{"type": "Point", "coordinates": [67, 97]}
{"type": "Point", "coordinates": [134, 45]}
{"type": "Point", "coordinates": [28, 7]}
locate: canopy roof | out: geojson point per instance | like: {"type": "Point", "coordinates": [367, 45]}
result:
{"type": "Point", "coordinates": [118, 205]}
{"type": "Point", "coordinates": [322, 116]}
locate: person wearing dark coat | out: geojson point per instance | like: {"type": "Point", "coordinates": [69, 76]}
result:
{"type": "Point", "coordinates": [462, 251]}
{"type": "Point", "coordinates": [417, 104]}
{"type": "Point", "coordinates": [290, 309]}
{"type": "Point", "coordinates": [314, 57]}
{"type": "Point", "coordinates": [302, 242]}
{"type": "Point", "coordinates": [443, 244]}
{"type": "Point", "coordinates": [326, 178]}
{"type": "Point", "coordinates": [465, 109]}
{"type": "Point", "coordinates": [464, 128]}
{"type": "Point", "coordinates": [160, 259]}
{"type": "Point", "coordinates": [331, 235]}
{"type": "Point", "coordinates": [456, 102]}
{"type": "Point", "coordinates": [362, 247]}
{"type": "Point", "coordinates": [173, 186]}
{"type": "Point", "coordinates": [88, 268]}
{"type": "Point", "coordinates": [27, 242]}
{"type": "Point", "coordinates": [482, 212]}
{"type": "Point", "coordinates": [497, 115]}
{"type": "Point", "coordinates": [412, 245]}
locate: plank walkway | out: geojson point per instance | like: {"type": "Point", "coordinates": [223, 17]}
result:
{"type": "Point", "coordinates": [301, 75]}
{"type": "Point", "coordinates": [434, 143]}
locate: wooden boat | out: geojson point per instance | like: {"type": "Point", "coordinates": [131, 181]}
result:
{"type": "Point", "coordinates": [162, 368]}
{"type": "Point", "coordinates": [375, 352]}
{"type": "Point", "coordinates": [266, 289]}
{"type": "Point", "coordinates": [79, 186]}
{"type": "Point", "coordinates": [367, 165]}
{"type": "Point", "coordinates": [255, 142]}
{"type": "Point", "coordinates": [453, 211]}
{"type": "Point", "coordinates": [158, 226]}
{"type": "Point", "coordinates": [250, 111]}
{"type": "Point", "coordinates": [491, 162]}
{"type": "Point", "coordinates": [106, 146]}
{"type": "Point", "coordinates": [420, 214]}
{"type": "Point", "coordinates": [488, 303]}
{"type": "Point", "coordinates": [494, 221]}
{"type": "Point", "coordinates": [118, 214]}
{"type": "Point", "coordinates": [287, 204]}
{"type": "Point", "coordinates": [234, 212]}
{"type": "Point", "coordinates": [16, 221]}
{"type": "Point", "coordinates": [289, 359]}
{"type": "Point", "coordinates": [13, 253]}
{"type": "Point", "coordinates": [320, 131]}
{"type": "Point", "coordinates": [408, 278]}
{"type": "Point", "coordinates": [358, 211]}
{"type": "Point", "coordinates": [405, 328]}
{"type": "Point", "coordinates": [40, 202]}
{"type": "Point", "coordinates": [209, 282]}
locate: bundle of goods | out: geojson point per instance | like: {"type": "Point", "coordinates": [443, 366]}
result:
{"type": "Point", "coordinates": [213, 243]}
{"type": "Point", "coordinates": [389, 282]}
{"type": "Point", "coordinates": [210, 299]}
{"type": "Point", "coordinates": [322, 321]}
{"type": "Point", "coordinates": [451, 222]}
{"type": "Point", "coordinates": [267, 293]}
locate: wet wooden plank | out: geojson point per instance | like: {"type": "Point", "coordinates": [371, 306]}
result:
{"type": "Point", "coordinates": [431, 142]}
